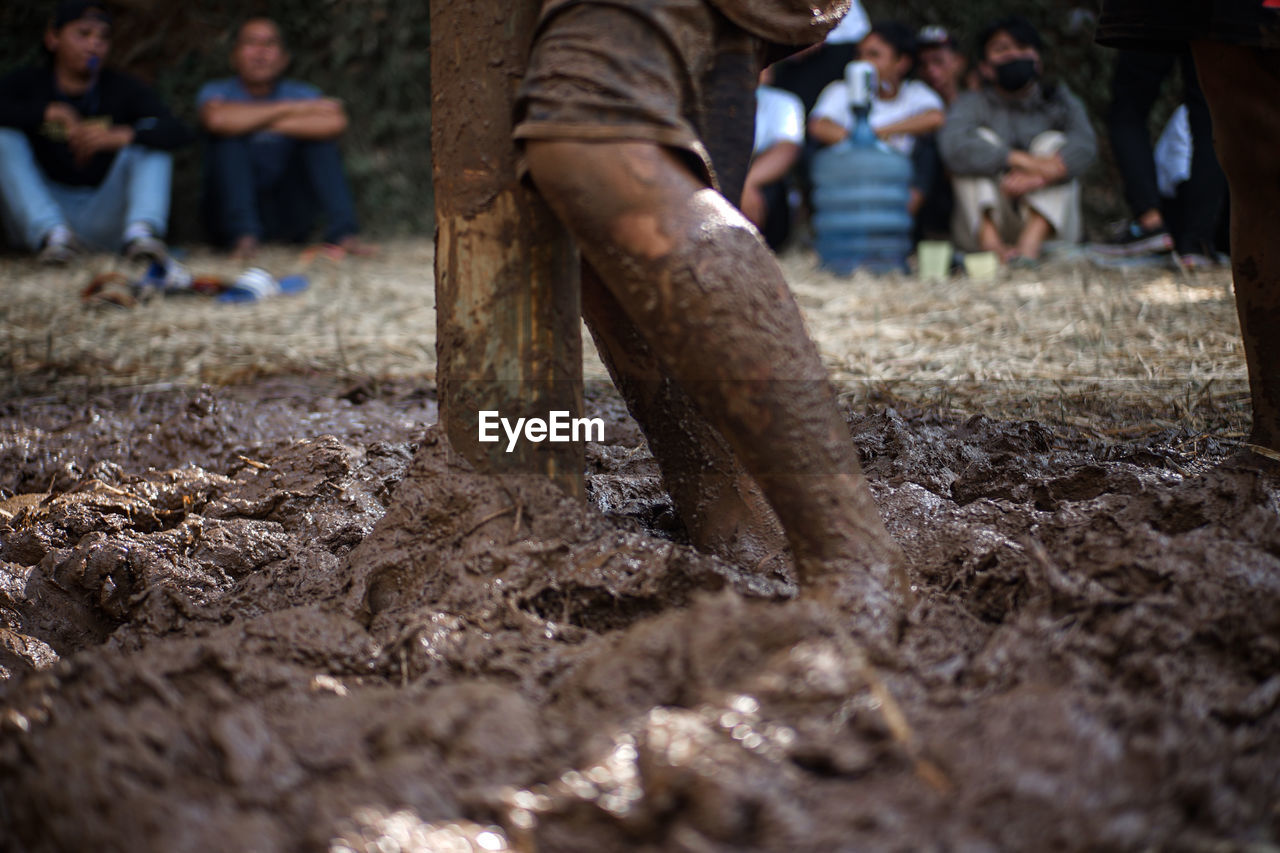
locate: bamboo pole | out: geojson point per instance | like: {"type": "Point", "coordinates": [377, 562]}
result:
{"type": "Point", "coordinates": [506, 274]}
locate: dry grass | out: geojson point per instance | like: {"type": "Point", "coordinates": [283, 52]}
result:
{"type": "Point", "coordinates": [1112, 350]}
{"type": "Point", "coordinates": [1109, 349]}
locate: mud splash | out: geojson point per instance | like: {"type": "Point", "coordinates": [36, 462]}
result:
{"type": "Point", "coordinates": [213, 637]}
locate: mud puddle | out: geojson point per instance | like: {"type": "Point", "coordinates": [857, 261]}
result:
{"type": "Point", "coordinates": [215, 637]}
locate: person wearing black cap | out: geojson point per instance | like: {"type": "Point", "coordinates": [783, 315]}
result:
{"type": "Point", "coordinates": [84, 150]}
{"type": "Point", "coordinates": [1016, 149]}
{"type": "Point", "coordinates": [942, 64]}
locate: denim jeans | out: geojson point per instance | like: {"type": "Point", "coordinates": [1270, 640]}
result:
{"type": "Point", "coordinates": [135, 190]}
{"type": "Point", "coordinates": [273, 189]}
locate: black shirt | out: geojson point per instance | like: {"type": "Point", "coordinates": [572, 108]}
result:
{"type": "Point", "coordinates": [115, 97]}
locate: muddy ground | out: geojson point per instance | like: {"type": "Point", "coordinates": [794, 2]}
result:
{"type": "Point", "coordinates": [213, 636]}
{"type": "Point", "coordinates": [193, 662]}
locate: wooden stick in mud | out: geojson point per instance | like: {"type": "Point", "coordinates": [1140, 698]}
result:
{"type": "Point", "coordinates": [506, 273]}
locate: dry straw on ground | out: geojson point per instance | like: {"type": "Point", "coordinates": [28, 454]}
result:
{"type": "Point", "coordinates": [1111, 350]}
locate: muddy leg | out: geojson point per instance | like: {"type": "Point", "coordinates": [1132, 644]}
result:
{"type": "Point", "coordinates": [710, 300]}
{"type": "Point", "coordinates": [720, 505]}
{"type": "Point", "coordinates": [1240, 84]}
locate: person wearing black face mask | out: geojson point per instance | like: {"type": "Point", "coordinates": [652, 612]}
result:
{"type": "Point", "coordinates": [1013, 75]}
{"type": "Point", "coordinates": [1016, 148]}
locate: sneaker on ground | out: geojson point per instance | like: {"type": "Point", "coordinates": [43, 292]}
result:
{"type": "Point", "coordinates": [58, 248]}
{"type": "Point", "coordinates": [1132, 239]}
{"type": "Point", "coordinates": [147, 247]}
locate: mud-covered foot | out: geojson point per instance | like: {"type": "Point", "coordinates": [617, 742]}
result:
{"type": "Point", "coordinates": [738, 526]}
{"type": "Point", "coordinates": [876, 592]}
{"type": "Point", "coordinates": [1255, 459]}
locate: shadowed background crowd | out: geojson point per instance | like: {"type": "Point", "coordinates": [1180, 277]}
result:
{"type": "Point", "coordinates": [238, 135]}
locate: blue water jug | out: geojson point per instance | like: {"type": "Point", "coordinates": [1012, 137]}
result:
{"type": "Point", "coordinates": [860, 195]}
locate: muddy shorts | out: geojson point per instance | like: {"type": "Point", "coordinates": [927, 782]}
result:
{"type": "Point", "coordinates": [1163, 25]}
{"type": "Point", "coordinates": [673, 72]}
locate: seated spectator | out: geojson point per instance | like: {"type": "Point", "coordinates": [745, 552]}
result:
{"type": "Point", "coordinates": [942, 65]}
{"type": "Point", "coordinates": [779, 137]}
{"type": "Point", "coordinates": [1016, 149]}
{"type": "Point", "coordinates": [944, 68]}
{"type": "Point", "coordinates": [902, 110]}
{"type": "Point", "coordinates": [272, 160]}
{"type": "Point", "coordinates": [84, 150]}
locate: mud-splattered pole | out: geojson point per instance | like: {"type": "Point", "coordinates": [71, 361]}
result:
{"type": "Point", "coordinates": [506, 274]}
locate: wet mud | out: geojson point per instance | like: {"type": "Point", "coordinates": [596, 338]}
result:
{"type": "Point", "coordinates": [215, 635]}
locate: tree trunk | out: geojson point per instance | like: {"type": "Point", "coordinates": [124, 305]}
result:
{"type": "Point", "coordinates": [506, 274]}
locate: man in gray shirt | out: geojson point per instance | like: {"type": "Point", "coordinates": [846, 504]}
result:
{"type": "Point", "coordinates": [1016, 149]}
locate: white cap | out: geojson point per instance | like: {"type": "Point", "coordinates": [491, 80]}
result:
{"type": "Point", "coordinates": [852, 28]}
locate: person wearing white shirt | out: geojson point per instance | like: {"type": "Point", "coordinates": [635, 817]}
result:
{"type": "Point", "coordinates": [778, 140]}
{"type": "Point", "coordinates": [902, 110]}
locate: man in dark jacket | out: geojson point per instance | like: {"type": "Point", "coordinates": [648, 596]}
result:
{"type": "Point", "coordinates": [84, 150]}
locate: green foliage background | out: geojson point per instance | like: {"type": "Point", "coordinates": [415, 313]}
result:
{"type": "Point", "coordinates": [371, 53]}
{"type": "Point", "coordinates": [374, 55]}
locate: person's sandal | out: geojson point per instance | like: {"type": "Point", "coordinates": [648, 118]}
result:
{"type": "Point", "coordinates": [111, 289]}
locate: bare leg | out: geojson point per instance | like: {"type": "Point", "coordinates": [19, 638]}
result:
{"type": "Point", "coordinates": [720, 505]}
{"type": "Point", "coordinates": [989, 238]}
{"type": "Point", "coordinates": [1240, 84]}
{"type": "Point", "coordinates": [710, 300]}
{"type": "Point", "coordinates": [1033, 235]}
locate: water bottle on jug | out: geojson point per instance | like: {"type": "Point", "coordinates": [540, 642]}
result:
{"type": "Point", "coordinates": [861, 191]}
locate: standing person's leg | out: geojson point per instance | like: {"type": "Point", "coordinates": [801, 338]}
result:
{"type": "Point", "coordinates": [29, 208]}
{"type": "Point", "coordinates": [323, 164]}
{"type": "Point", "coordinates": [722, 509]}
{"type": "Point", "coordinates": [1203, 195]}
{"type": "Point", "coordinates": [608, 106]}
{"type": "Point", "coordinates": [231, 195]}
{"type": "Point", "coordinates": [1240, 84]}
{"type": "Point", "coordinates": [1134, 89]}
{"type": "Point", "coordinates": [710, 300]}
